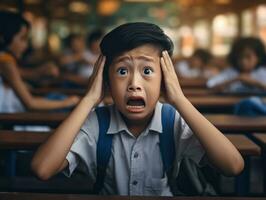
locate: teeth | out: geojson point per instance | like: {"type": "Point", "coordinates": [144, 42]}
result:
{"type": "Point", "coordinates": [142, 106]}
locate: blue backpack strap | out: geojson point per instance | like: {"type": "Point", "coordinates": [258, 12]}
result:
{"type": "Point", "coordinates": [167, 144]}
{"type": "Point", "coordinates": [104, 146]}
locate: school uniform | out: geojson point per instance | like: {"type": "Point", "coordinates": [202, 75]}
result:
{"type": "Point", "coordinates": [9, 102]}
{"type": "Point", "coordinates": [135, 166]}
{"type": "Point", "coordinates": [231, 73]}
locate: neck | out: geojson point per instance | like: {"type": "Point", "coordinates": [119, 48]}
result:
{"type": "Point", "coordinates": [136, 127]}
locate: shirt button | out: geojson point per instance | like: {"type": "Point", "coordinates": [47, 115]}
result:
{"type": "Point", "coordinates": [135, 182]}
{"type": "Point", "coordinates": [136, 155]}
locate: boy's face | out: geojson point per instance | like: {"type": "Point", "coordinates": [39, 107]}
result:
{"type": "Point", "coordinates": [135, 81]}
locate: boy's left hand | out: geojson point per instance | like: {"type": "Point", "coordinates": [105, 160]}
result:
{"type": "Point", "coordinates": [172, 86]}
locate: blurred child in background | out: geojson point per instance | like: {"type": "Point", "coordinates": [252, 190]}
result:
{"type": "Point", "coordinates": [247, 72]}
{"type": "Point", "coordinates": [14, 94]}
{"type": "Point", "coordinates": [198, 65]}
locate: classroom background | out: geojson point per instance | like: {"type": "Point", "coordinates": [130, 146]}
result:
{"type": "Point", "coordinates": [63, 46]}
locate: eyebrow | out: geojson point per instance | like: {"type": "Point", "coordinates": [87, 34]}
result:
{"type": "Point", "coordinates": [146, 58]}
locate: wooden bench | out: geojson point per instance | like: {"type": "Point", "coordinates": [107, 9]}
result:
{"type": "Point", "coordinates": [260, 138]}
{"type": "Point", "coordinates": [247, 148]}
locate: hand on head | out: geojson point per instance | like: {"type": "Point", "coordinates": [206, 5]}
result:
{"type": "Point", "coordinates": [171, 83]}
{"type": "Point", "coordinates": [95, 90]}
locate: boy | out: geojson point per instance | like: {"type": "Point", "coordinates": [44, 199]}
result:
{"type": "Point", "coordinates": [136, 61]}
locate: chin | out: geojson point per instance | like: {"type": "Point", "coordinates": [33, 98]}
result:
{"type": "Point", "coordinates": [136, 116]}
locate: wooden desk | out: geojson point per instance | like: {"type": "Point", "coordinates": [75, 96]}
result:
{"type": "Point", "coordinates": [44, 196]}
{"type": "Point", "coordinates": [32, 118]}
{"type": "Point", "coordinates": [216, 103]}
{"type": "Point", "coordinates": [66, 91]}
{"type": "Point", "coordinates": [232, 123]}
{"type": "Point", "coordinates": [224, 122]}
{"type": "Point", "coordinates": [21, 140]}
{"type": "Point", "coordinates": [192, 82]}
{"type": "Point", "coordinates": [260, 138]}
{"type": "Point", "coordinates": [244, 145]}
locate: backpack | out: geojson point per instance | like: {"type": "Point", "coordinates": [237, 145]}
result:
{"type": "Point", "coordinates": [167, 148]}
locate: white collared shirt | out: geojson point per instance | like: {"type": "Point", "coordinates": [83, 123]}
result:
{"type": "Point", "coordinates": [135, 166]}
{"type": "Point", "coordinates": [230, 73]}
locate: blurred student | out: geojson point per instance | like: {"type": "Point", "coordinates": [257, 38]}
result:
{"type": "Point", "coordinates": [14, 94]}
{"type": "Point", "coordinates": [198, 65]}
{"type": "Point", "coordinates": [92, 52]}
{"type": "Point", "coordinates": [73, 56]}
{"type": "Point", "coordinates": [247, 72]}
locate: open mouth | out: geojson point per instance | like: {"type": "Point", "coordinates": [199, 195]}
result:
{"type": "Point", "coordinates": [135, 104]}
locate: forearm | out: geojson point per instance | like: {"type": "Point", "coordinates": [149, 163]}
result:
{"type": "Point", "coordinates": [42, 104]}
{"type": "Point", "coordinates": [222, 86]}
{"type": "Point", "coordinates": [255, 83]}
{"type": "Point", "coordinates": [29, 73]}
{"type": "Point", "coordinates": [220, 151]}
{"type": "Point", "coordinates": [50, 156]}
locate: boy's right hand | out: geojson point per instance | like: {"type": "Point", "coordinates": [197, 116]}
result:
{"type": "Point", "coordinates": [95, 91]}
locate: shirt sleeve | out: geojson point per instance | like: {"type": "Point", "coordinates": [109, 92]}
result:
{"type": "Point", "coordinates": [227, 74]}
{"type": "Point", "coordinates": [6, 58]}
{"type": "Point", "coordinates": [82, 155]}
{"type": "Point", "coordinates": [260, 74]}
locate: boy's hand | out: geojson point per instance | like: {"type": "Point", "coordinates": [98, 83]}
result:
{"type": "Point", "coordinates": [95, 91]}
{"type": "Point", "coordinates": [172, 87]}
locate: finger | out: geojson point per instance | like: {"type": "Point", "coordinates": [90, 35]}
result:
{"type": "Point", "coordinates": [165, 60]}
{"type": "Point", "coordinates": [96, 66]}
{"type": "Point", "coordinates": [164, 68]}
{"type": "Point", "coordinates": [99, 61]}
{"type": "Point", "coordinates": [101, 67]}
{"type": "Point", "coordinates": [169, 61]}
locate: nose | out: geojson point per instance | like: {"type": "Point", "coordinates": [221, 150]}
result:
{"type": "Point", "coordinates": [135, 83]}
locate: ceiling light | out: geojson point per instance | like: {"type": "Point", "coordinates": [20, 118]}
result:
{"type": "Point", "coordinates": [79, 7]}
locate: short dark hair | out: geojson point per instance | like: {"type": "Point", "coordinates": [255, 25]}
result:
{"type": "Point", "coordinates": [203, 54]}
{"type": "Point", "coordinates": [96, 34]}
{"type": "Point", "coordinates": [240, 44]}
{"type": "Point", "coordinates": [131, 35]}
{"type": "Point", "coordinates": [10, 25]}
{"type": "Point", "coordinates": [69, 39]}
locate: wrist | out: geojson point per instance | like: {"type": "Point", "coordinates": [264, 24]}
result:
{"type": "Point", "coordinates": [89, 101]}
{"type": "Point", "coordinates": [180, 101]}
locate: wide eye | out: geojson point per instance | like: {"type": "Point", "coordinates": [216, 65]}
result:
{"type": "Point", "coordinates": [147, 71]}
{"type": "Point", "coordinates": [122, 71]}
